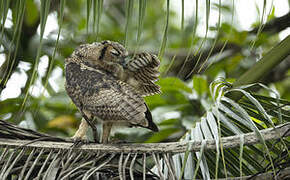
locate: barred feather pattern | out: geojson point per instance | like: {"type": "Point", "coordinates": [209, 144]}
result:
{"type": "Point", "coordinates": [143, 67]}
{"type": "Point", "coordinates": [106, 91]}
{"type": "Point", "coordinates": [104, 96]}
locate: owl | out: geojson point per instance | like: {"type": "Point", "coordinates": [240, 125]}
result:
{"type": "Point", "coordinates": [107, 85]}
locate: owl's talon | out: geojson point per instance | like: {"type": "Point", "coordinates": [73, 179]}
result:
{"type": "Point", "coordinates": [77, 142]}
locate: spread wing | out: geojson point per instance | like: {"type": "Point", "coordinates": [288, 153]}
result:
{"type": "Point", "coordinates": [144, 68]}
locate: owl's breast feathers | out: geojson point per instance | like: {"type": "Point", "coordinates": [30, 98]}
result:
{"type": "Point", "coordinates": [105, 97]}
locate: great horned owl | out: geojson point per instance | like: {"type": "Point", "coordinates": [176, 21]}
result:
{"type": "Point", "coordinates": [107, 86]}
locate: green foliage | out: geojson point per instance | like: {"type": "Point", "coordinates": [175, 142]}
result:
{"type": "Point", "coordinates": [31, 17]}
{"type": "Point", "coordinates": [189, 108]}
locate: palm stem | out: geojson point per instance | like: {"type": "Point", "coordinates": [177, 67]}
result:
{"type": "Point", "coordinates": [276, 55]}
{"type": "Point", "coordinates": [272, 58]}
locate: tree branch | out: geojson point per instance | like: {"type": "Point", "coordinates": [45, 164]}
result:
{"type": "Point", "coordinates": [175, 147]}
{"type": "Point", "coordinates": [276, 25]}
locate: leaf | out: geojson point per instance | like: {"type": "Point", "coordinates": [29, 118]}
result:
{"type": "Point", "coordinates": [241, 154]}
{"type": "Point", "coordinates": [168, 122]}
{"type": "Point", "coordinates": [165, 34]}
{"type": "Point", "coordinates": [266, 98]}
{"type": "Point", "coordinates": [44, 11]}
{"type": "Point", "coordinates": [142, 10]}
{"type": "Point", "coordinates": [51, 64]}
{"type": "Point", "coordinates": [162, 134]}
{"type": "Point", "coordinates": [201, 162]}
{"type": "Point", "coordinates": [245, 116]}
{"type": "Point", "coordinates": [173, 84]}
{"type": "Point", "coordinates": [9, 106]}
{"type": "Point", "coordinates": [89, 3]}
{"type": "Point", "coordinates": [63, 122]}
{"type": "Point", "coordinates": [226, 121]}
{"type": "Point", "coordinates": [129, 13]}
{"type": "Point", "coordinates": [212, 124]}
{"type": "Point", "coordinates": [257, 105]}
{"type": "Point", "coordinates": [205, 129]}
{"type": "Point", "coordinates": [182, 14]}
{"type": "Point", "coordinates": [32, 16]}
{"type": "Point", "coordinates": [187, 163]}
{"type": "Point", "coordinates": [200, 85]}
{"type": "Point", "coordinates": [155, 101]}
{"type": "Point", "coordinates": [234, 115]}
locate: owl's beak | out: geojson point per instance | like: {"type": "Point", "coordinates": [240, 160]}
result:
{"type": "Point", "coordinates": [124, 60]}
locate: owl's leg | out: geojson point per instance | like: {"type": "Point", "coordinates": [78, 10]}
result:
{"type": "Point", "coordinates": [88, 117]}
{"type": "Point", "coordinates": [81, 133]}
{"type": "Point", "coordinates": [106, 132]}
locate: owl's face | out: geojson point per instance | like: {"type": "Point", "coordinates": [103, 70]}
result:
{"type": "Point", "coordinates": [102, 52]}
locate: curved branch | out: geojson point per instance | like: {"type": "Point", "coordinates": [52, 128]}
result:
{"type": "Point", "coordinates": [175, 147]}
{"type": "Point", "coordinates": [276, 25]}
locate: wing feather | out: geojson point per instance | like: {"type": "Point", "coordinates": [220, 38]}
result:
{"type": "Point", "coordinates": [117, 102]}
{"type": "Point", "coordinates": [144, 69]}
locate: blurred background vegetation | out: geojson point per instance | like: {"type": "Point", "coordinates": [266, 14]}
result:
{"type": "Point", "coordinates": [197, 44]}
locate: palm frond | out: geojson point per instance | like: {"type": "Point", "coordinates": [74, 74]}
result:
{"type": "Point", "coordinates": [165, 34]}
{"type": "Point", "coordinates": [129, 13]}
{"type": "Point", "coordinates": [229, 118]}
{"type": "Point", "coordinates": [44, 11]}
{"type": "Point", "coordinates": [34, 154]}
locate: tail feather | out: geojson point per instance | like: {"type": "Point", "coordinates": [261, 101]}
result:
{"type": "Point", "coordinates": [151, 124]}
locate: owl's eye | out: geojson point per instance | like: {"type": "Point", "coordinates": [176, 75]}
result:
{"type": "Point", "coordinates": [114, 52]}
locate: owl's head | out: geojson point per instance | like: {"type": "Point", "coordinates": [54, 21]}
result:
{"type": "Point", "coordinates": [101, 52]}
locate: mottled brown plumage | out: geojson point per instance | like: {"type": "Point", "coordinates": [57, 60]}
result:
{"type": "Point", "coordinates": [107, 86]}
{"type": "Point", "coordinates": [142, 73]}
